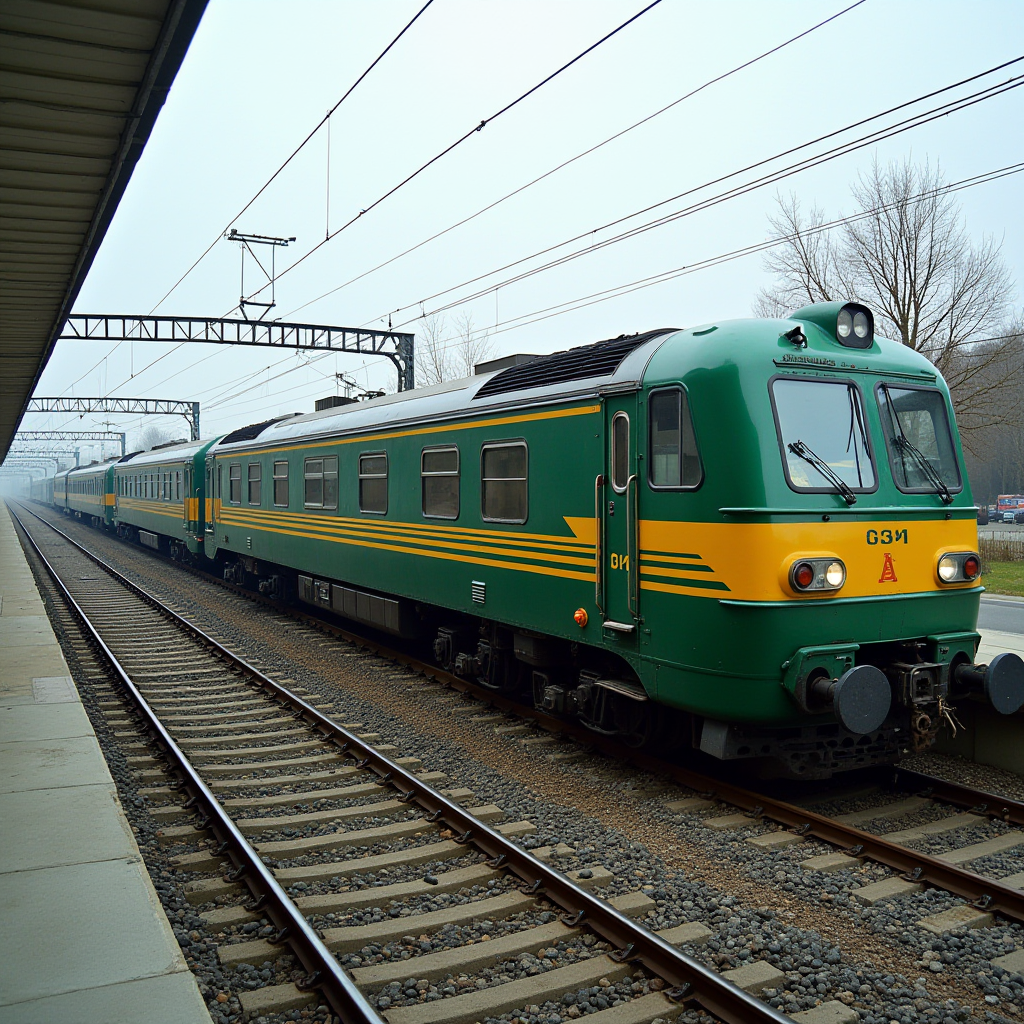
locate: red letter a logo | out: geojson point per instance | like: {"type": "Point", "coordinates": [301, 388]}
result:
{"type": "Point", "coordinates": [888, 570]}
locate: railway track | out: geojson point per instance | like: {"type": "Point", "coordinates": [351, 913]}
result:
{"type": "Point", "coordinates": [285, 800]}
{"type": "Point", "coordinates": [910, 793]}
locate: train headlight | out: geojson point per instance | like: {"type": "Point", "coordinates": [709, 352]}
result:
{"type": "Point", "coordinates": [851, 324]}
{"type": "Point", "coordinates": [817, 574]}
{"type": "Point", "coordinates": [959, 567]}
{"type": "Point", "coordinates": [844, 324]}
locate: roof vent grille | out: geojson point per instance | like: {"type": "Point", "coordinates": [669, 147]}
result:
{"type": "Point", "coordinates": [254, 430]}
{"type": "Point", "coordinates": [599, 360]}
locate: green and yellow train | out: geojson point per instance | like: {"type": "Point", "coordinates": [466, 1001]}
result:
{"type": "Point", "coordinates": [755, 537]}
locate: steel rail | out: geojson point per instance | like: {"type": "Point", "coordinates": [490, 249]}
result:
{"type": "Point", "coordinates": [323, 970]}
{"type": "Point", "coordinates": [978, 800]}
{"type": "Point", "coordinates": [983, 892]}
{"type": "Point", "coordinates": [689, 978]}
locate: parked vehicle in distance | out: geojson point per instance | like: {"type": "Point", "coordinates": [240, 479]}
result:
{"type": "Point", "coordinates": [1009, 517]}
{"type": "Point", "coordinates": [983, 517]}
{"type": "Point", "coordinates": [1018, 517]}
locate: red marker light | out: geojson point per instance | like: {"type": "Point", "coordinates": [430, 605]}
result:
{"type": "Point", "coordinates": [580, 615]}
{"type": "Point", "coordinates": [972, 566]}
{"type": "Point", "coordinates": [803, 575]}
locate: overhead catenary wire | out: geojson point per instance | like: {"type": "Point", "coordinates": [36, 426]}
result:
{"type": "Point", "coordinates": [668, 218]}
{"type": "Point", "coordinates": [871, 138]}
{"type": "Point", "coordinates": [295, 152]}
{"type": "Point", "coordinates": [803, 165]}
{"type": "Point", "coordinates": [937, 112]}
{"type": "Point", "coordinates": [461, 139]}
{"type": "Point", "coordinates": [515, 323]}
{"type": "Point", "coordinates": [579, 156]}
{"type": "Point", "coordinates": [592, 149]}
{"type": "Point", "coordinates": [469, 134]}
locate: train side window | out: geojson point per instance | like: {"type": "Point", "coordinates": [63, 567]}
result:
{"type": "Point", "coordinates": [620, 451]}
{"type": "Point", "coordinates": [255, 482]}
{"type": "Point", "coordinates": [674, 457]}
{"type": "Point", "coordinates": [281, 484]}
{"type": "Point", "coordinates": [321, 482]}
{"type": "Point", "coordinates": [235, 484]}
{"type": "Point", "coordinates": [503, 482]}
{"type": "Point", "coordinates": [373, 483]}
{"type": "Point", "coordinates": [439, 471]}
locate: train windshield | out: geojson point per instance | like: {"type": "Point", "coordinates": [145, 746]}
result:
{"type": "Point", "coordinates": [919, 439]}
{"type": "Point", "coordinates": [823, 437]}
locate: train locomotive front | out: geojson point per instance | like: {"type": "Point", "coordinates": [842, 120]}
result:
{"type": "Point", "coordinates": [809, 589]}
{"type": "Point", "coordinates": [754, 537]}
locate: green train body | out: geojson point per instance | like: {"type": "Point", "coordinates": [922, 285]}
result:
{"type": "Point", "coordinates": [645, 534]}
{"type": "Point", "coordinates": [159, 497]}
{"type": "Point", "coordinates": [86, 493]}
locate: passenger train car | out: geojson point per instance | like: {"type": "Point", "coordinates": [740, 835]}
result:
{"type": "Point", "coordinates": [158, 497]}
{"type": "Point", "coordinates": [86, 492]}
{"type": "Point", "coordinates": [755, 537]}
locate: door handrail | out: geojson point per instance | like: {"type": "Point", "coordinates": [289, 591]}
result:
{"type": "Point", "coordinates": [599, 546]}
{"type": "Point", "coordinates": [633, 547]}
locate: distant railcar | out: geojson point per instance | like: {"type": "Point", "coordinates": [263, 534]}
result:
{"type": "Point", "coordinates": [159, 497]}
{"type": "Point", "coordinates": [42, 490]}
{"type": "Point", "coordinates": [755, 536]}
{"type": "Point", "coordinates": [89, 493]}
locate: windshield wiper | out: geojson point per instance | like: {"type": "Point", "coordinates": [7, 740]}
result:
{"type": "Point", "coordinates": [902, 444]}
{"type": "Point", "coordinates": [801, 451]}
{"type": "Point", "coordinates": [856, 420]}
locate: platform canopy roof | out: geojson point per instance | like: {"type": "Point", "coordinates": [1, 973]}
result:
{"type": "Point", "coordinates": [81, 84]}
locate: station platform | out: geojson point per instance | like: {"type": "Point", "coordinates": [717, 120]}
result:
{"type": "Point", "coordinates": [84, 938]}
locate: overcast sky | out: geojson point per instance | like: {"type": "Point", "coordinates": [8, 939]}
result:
{"type": "Point", "coordinates": [261, 74]}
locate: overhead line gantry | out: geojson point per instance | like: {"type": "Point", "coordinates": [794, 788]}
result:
{"type": "Point", "coordinates": [394, 345]}
{"type": "Point", "coordinates": [72, 435]}
{"type": "Point", "coordinates": [130, 406]}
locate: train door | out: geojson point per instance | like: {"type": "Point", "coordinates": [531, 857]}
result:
{"type": "Point", "coordinates": [619, 585]}
{"type": "Point", "coordinates": [208, 509]}
{"type": "Point", "coordinates": [186, 498]}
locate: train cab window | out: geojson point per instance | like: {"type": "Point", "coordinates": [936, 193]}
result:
{"type": "Point", "coordinates": [321, 482]}
{"type": "Point", "coordinates": [235, 484]}
{"type": "Point", "coordinates": [281, 484]}
{"type": "Point", "coordinates": [674, 458]}
{"type": "Point", "coordinates": [503, 482]}
{"type": "Point", "coordinates": [255, 481]}
{"type": "Point", "coordinates": [919, 439]}
{"type": "Point", "coordinates": [439, 471]}
{"type": "Point", "coordinates": [620, 451]}
{"type": "Point", "coordinates": [373, 483]}
{"type": "Point", "coordinates": [823, 436]}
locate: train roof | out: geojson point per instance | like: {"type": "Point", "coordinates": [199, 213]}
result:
{"type": "Point", "coordinates": [578, 372]}
{"type": "Point", "coordinates": [183, 451]}
{"type": "Point", "coordinates": [93, 467]}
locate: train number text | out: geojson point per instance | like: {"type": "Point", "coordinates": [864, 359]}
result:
{"type": "Point", "coordinates": [887, 537]}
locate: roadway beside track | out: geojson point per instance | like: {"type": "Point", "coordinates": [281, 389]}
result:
{"type": "Point", "coordinates": [84, 937]}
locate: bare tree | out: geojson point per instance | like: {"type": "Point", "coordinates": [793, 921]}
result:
{"type": "Point", "coordinates": [433, 356]}
{"type": "Point", "coordinates": [906, 253]}
{"type": "Point", "coordinates": [151, 435]}
{"type": "Point", "coordinates": [471, 346]}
